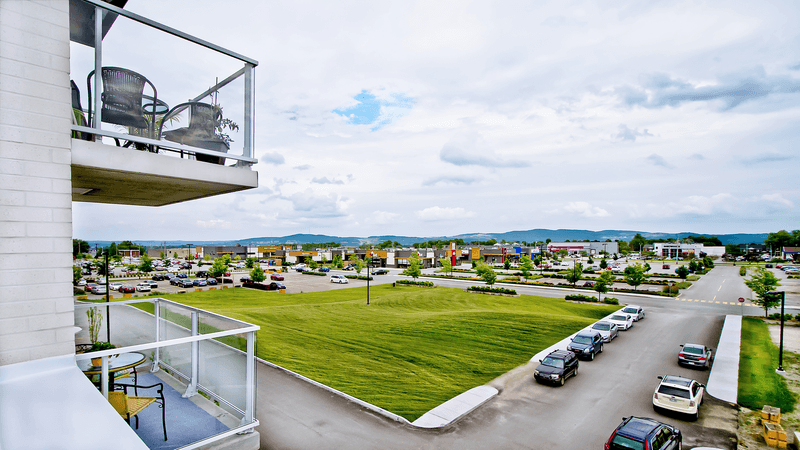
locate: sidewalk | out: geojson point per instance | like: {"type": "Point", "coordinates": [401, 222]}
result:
{"type": "Point", "coordinates": [723, 381]}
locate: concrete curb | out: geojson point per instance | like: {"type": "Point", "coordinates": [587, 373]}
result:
{"type": "Point", "coordinates": [723, 381]}
{"type": "Point", "coordinates": [455, 408]}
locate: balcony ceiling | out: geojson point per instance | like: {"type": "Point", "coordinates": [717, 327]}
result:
{"type": "Point", "coordinates": [109, 174]}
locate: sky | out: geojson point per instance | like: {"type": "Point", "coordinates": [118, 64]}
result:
{"type": "Point", "coordinates": [441, 118]}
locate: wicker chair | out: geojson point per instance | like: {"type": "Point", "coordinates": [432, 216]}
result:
{"type": "Point", "coordinates": [129, 406]}
{"type": "Point", "coordinates": [200, 132]}
{"type": "Point", "coordinates": [122, 99]}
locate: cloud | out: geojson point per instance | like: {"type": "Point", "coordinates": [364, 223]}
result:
{"type": "Point", "coordinates": [214, 223]}
{"type": "Point", "coordinates": [325, 180]}
{"type": "Point", "coordinates": [370, 109]}
{"type": "Point", "coordinates": [303, 167]}
{"type": "Point", "coordinates": [705, 205]}
{"type": "Point", "coordinates": [658, 160]}
{"type": "Point", "coordinates": [697, 156]}
{"type": "Point", "coordinates": [470, 149]}
{"type": "Point", "coordinates": [585, 209]}
{"type": "Point", "coordinates": [628, 134]}
{"type": "Point", "coordinates": [436, 213]}
{"type": "Point", "coordinates": [776, 198]}
{"type": "Point", "coordinates": [383, 218]}
{"type": "Point", "coordinates": [767, 158]}
{"type": "Point", "coordinates": [450, 180]}
{"type": "Point", "coordinates": [660, 90]}
{"type": "Point", "coordinates": [272, 158]}
{"type": "Point", "coordinates": [314, 205]}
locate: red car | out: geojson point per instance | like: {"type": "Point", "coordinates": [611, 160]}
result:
{"type": "Point", "coordinates": [276, 277]}
{"type": "Point", "coordinates": [125, 289]}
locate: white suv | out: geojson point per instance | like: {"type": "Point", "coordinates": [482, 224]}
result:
{"type": "Point", "coordinates": [338, 279]}
{"type": "Point", "coordinates": [679, 394]}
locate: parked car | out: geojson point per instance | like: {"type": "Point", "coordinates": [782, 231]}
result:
{"type": "Point", "coordinates": [622, 320]}
{"type": "Point", "coordinates": [586, 344]}
{"type": "Point", "coordinates": [88, 286]}
{"type": "Point", "coordinates": [172, 269]}
{"type": "Point", "coordinates": [635, 311]}
{"type": "Point", "coordinates": [679, 394]}
{"type": "Point", "coordinates": [274, 286]}
{"type": "Point", "coordinates": [607, 330]}
{"type": "Point", "coordinates": [127, 289]}
{"type": "Point", "coordinates": [182, 275]}
{"type": "Point", "coordinates": [323, 269]}
{"type": "Point", "coordinates": [199, 282]}
{"type": "Point", "coordinates": [338, 279]}
{"type": "Point", "coordinates": [174, 281]}
{"type": "Point", "coordinates": [98, 289]}
{"type": "Point", "coordinates": [201, 274]}
{"type": "Point", "coordinates": [82, 282]}
{"type": "Point", "coordinates": [143, 287]}
{"type": "Point", "coordinates": [115, 285]}
{"type": "Point", "coordinates": [276, 277]}
{"type": "Point", "coordinates": [302, 269]}
{"type": "Point", "coordinates": [211, 281]}
{"type": "Point", "coordinates": [665, 266]}
{"type": "Point", "coordinates": [380, 272]}
{"type": "Point", "coordinates": [644, 433]}
{"type": "Point", "coordinates": [185, 283]}
{"type": "Point", "coordinates": [589, 283]}
{"type": "Point", "coordinates": [152, 284]}
{"type": "Point", "coordinates": [768, 266]}
{"type": "Point", "coordinates": [556, 367]}
{"type": "Point", "coordinates": [159, 277]}
{"type": "Point", "coordinates": [696, 355]}
{"type": "Point", "coordinates": [792, 271]}
{"type": "Point", "coordinates": [245, 279]}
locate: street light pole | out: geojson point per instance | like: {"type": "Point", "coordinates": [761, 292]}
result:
{"type": "Point", "coordinates": [368, 261]}
{"type": "Point", "coordinates": [780, 349]}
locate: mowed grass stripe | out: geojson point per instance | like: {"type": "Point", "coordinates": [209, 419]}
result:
{"type": "Point", "coordinates": [411, 349]}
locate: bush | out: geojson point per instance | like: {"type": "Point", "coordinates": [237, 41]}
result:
{"type": "Point", "coordinates": [357, 277]}
{"type": "Point", "coordinates": [742, 271]}
{"type": "Point", "coordinates": [671, 289]}
{"type": "Point", "coordinates": [415, 283]}
{"type": "Point", "coordinates": [492, 290]}
{"type": "Point", "coordinates": [319, 274]}
{"type": "Point", "coordinates": [611, 301]}
{"type": "Point", "coordinates": [580, 298]}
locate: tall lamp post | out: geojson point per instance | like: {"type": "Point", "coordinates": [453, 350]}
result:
{"type": "Point", "coordinates": [368, 260]}
{"type": "Point", "coordinates": [780, 349]}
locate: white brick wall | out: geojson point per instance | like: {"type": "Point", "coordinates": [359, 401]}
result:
{"type": "Point", "coordinates": [36, 306]}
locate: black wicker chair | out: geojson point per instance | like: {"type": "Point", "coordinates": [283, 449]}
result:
{"type": "Point", "coordinates": [203, 118]}
{"type": "Point", "coordinates": [129, 406]}
{"type": "Point", "coordinates": [122, 99]}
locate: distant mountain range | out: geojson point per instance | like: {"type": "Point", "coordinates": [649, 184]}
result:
{"type": "Point", "coordinates": [538, 234]}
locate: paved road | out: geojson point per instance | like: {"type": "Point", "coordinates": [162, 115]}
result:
{"type": "Point", "coordinates": [580, 415]}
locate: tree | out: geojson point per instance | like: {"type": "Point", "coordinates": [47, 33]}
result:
{"type": "Point", "coordinates": [562, 253]}
{"type": "Point", "coordinates": [635, 275]}
{"type": "Point", "coordinates": [414, 269]}
{"type": "Point", "coordinates": [507, 264]}
{"type": "Point", "coordinates": [603, 264]}
{"type": "Point", "coordinates": [257, 275]}
{"type": "Point", "coordinates": [226, 259]}
{"type": "Point", "coordinates": [682, 271]}
{"type": "Point", "coordinates": [174, 255]}
{"type": "Point", "coordinates": [647, 267]}
{"type": "Point", "coordinates": [112, 249]}
{"type": "Point", "coordinates": [526, 265]}
{"type": "Point", "coordinates": [574, 275]}
{"type": "Point", "coordinates": [337, 261]}
{"type": "Point", "coordinates": [692, 267]}
{"type": "Point", "coordinates": [313, 264]}
{"type": "Point", "coordinates": [708, 262]}
{"type": "Point", "coordinates": [79, 246]}
{"type": "Point", "coordinates": [761, 282]}
{"type": "Point", "coordinates": [146, 265]}
{"type": "Point", "coordinates": [250, 263]}
{"type": "Point", "coordinates": [601, 287]}
{"type": "Point", "coordinates": [637, 242]}
{"type": "Point", "coordinates": [218, 269]}
{"type": "Point", "coordinates": [360, 264]}
{"type": "Point", "coordinates": [161, 255]}
{"type": "Point", "coordinates": [781, 239]}
{"type": "Point", "coordinates": [486, 272]}
{"type": "Point", "coordinates": [77, 274]}
{"type": "Point", "coordinates": [447, 265]}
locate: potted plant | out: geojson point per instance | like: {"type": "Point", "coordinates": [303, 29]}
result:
{"type": "Point", "coordinates": [95, 321]}
{"type": "Point", "coordinates": [99, 346]}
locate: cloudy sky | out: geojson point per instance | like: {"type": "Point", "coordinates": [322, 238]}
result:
{"type": "Point", "coordinates": [440, 118]}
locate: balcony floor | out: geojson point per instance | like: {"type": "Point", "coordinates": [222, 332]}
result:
{"type": "Point", "coordinates": [124, 176]}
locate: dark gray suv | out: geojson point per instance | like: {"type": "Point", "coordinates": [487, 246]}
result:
{"type": "Point", "coordinates": [556, 367]}
{"type": "Point", "coordinates": [586, 344]}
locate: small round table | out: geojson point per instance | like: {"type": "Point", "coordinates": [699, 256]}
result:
{"type": "Point", "coordinates": [123, 361]}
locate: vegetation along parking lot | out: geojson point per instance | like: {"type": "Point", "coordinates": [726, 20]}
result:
{"type": "Point", "coordinates": [411, 349]}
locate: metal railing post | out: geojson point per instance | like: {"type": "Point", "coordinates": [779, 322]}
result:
{"type": "Point", "coordinates": [104, 376]}
{"type": "Point", "coordinates": [249, 110]}
{"type": "Point", "coordinates": [157, 352]}
{"type": "Point", "coordinates": [98, 66]}
{"type": "Point", "coordinates": [191, 389]}
{"type": "Point", "coordinates": [249, 412]}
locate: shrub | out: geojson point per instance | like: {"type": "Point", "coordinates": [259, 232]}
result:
{"type": "Point", "coordinates": [671, 289]}
{"type": "Point", "coordinates": [492, 290]}
{"type": "Point", "coordinates": [611, 301]}
{"type": "Point", "coordinates": [742, 271]}
{"type": "Point", "coordinates": [357, 277]}
{"type": "Point", "coordinates": [415, 283]}
{"type": "Point", "coordinates": [319, 274]}
{"type": "Point", "coordinates": [580, 298]}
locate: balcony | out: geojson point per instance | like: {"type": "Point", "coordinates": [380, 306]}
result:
{"type": "Point", "coordinates": [174, 120]}
{"type": "Point", "coordinates": [207, 358]}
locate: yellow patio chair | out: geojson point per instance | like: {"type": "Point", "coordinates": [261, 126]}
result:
{"type": "Point", "coordinates": [129, 406]}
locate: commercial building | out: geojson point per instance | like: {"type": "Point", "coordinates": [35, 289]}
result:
{"type": "Point", "coordinates": [590, 248]}
{"type": "Point", "coordinates": [52, 154]}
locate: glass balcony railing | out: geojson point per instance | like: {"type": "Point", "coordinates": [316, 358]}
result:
{"type": "Point", "coordinates": [158, 89]}
{"type": "Point", "coordinates": [206, 357]}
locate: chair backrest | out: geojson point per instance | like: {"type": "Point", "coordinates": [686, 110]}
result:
{"type": "Point", "coordinates": [122, 96]}
{"type": "Point", "coordinates": [203, 116]}
{"type": "Point", "coordinates": [119, 400]}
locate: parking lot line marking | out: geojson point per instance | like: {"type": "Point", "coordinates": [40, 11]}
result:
{"type": "Point", "coordinates": [720, 288]}
{"type": "Point", "coordinates": [716, 302]}
{"type": "Point", "coordinates": [715, 297]}
{"type": "Point", "coordinates": [702, 301]}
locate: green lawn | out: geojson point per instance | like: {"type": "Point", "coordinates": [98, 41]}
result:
{"type": "Point", "coordinates": [759, 385]}
{"type": "Point", "coordinates": [408, 352]}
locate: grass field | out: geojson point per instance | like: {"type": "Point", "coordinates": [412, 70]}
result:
{"type": "Point", "coordinates": [408, 352]}
{"type": "Point", "coordinates": [759, 385]}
